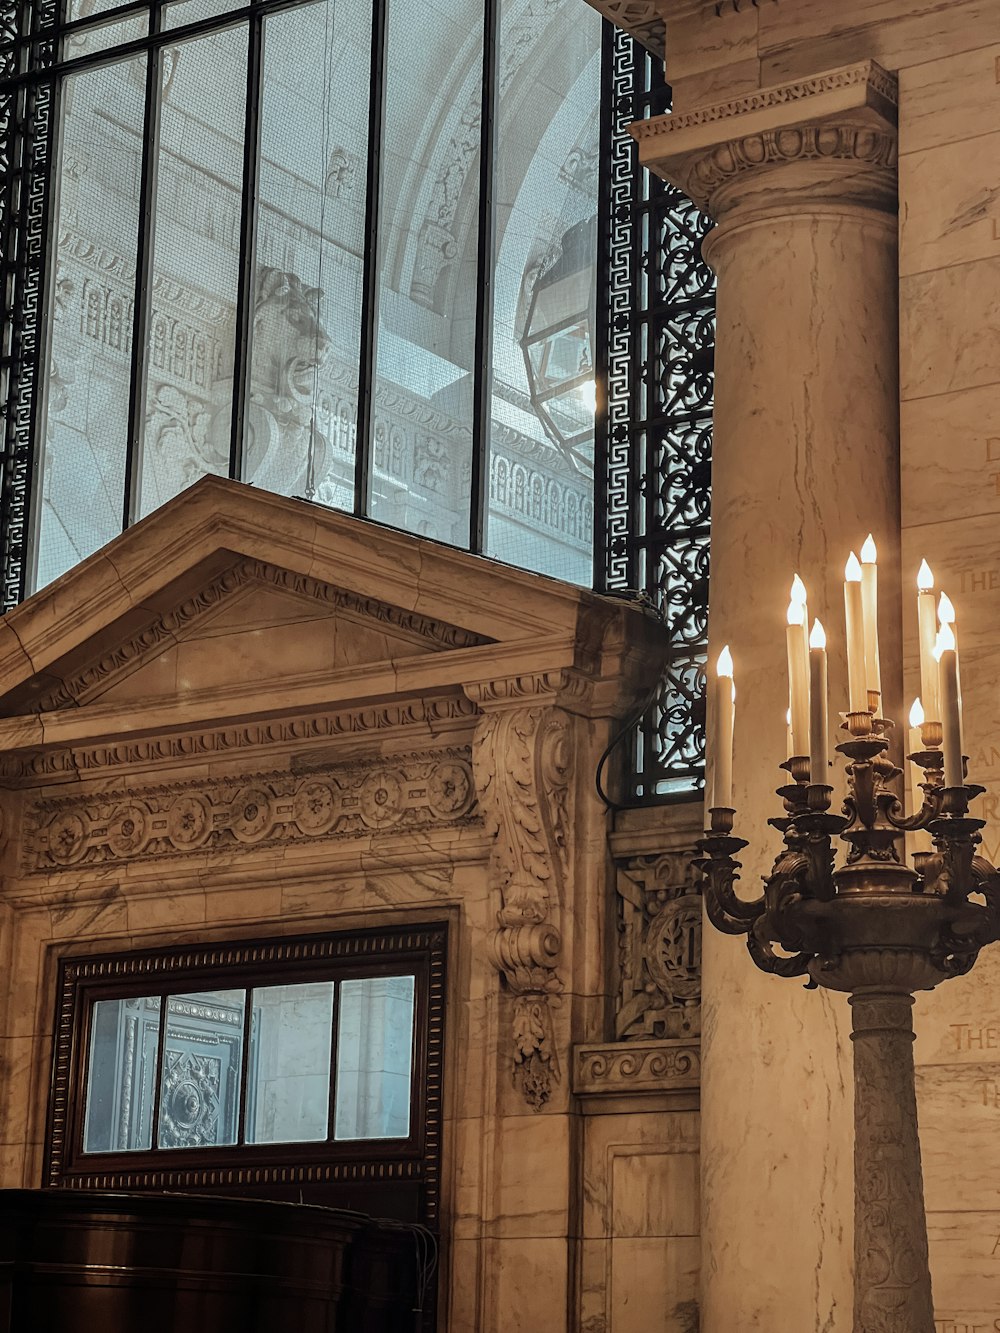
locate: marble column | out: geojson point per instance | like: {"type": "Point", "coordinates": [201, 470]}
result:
{"type": "Point", "coordinates": [800, 180]}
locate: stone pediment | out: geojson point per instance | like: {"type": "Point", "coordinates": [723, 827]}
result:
{"type": "Point", "coordinates": [230, 600]}
{"type": "Point", "coordinates": [251, 621]}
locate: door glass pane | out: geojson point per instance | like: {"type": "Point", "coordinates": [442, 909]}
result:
{"type": "Point", "coordinates": [288, 1090]}
{"type": "Point", "coordinates": [121, 1075]}
{"type": "Point", "coordinates": [428, 251]}
{"type": "Point", "coordinates": [300, 435]}
{"type": "Point", "coordinates": [374, 1058]}
{"type": "Point", "coordinates": [540, 507]}
{"type": "Point", "coordinates": [202, 1058]}
{"type": "Point", "coordinates": [189, 388]}
{"type": "Point", "coordinates": [90, 351]}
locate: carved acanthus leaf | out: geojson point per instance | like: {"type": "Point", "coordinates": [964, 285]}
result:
{"type": "Point", "coordinates": [522, 763]}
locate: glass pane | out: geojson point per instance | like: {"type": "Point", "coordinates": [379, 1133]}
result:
{"type": "Point", "coordinates": [84, 9]}
{"type": "Point", "coordinates": [191, 11]}
{"type": "Point", "coordinates": [86, 426]}
{"type": "Point", "coordinates": [199, 185]}
{"type": "Point", "coordinates": [540, 507]}
{"type": "Point", "coordinates": [103, 35]}
{"type": "Point", "coordinates": [121, 1075]}
{"type": "Point", "coordinates": [428, 243]}
{"type": "Point", "coordinates": [288, 1091]}
{"type": "Point", "coordinates": [300, 437]}
{"type": "Point", "coordinates": [374, 1058]}
{"type": "Point", "coordinates": [202, 1059]}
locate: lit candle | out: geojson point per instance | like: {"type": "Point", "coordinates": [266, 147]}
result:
{"type": "Point", "coordinates": [798, 677]}
{"type": "Point", "coordinates": [856, 680]}
{"type": "Point", "coordinates": [869, 601]}
{"type": "Point", "coordinates": [921, 838]}
{"type": "Point", "coordinates": [819, 760]}
{"type": "Point", "coordinates": [927, 625]}
{"type": "Point", "coordinates": [946, 615]}
{"type": "Point", "coordinates": [725, 716]}
{"type": "Point", "coordinates": [951, 706]}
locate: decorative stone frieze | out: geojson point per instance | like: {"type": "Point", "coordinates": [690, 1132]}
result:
{"type": "Point", "coordinates": [659, 948]}
{"type": "Point", "coordinates": [636, 1068]}
{"type": "Point", "coordinates": [838, 128]}
{"type": "Point", "coordinates": [522, 760]}
{"type": "Point", "coordinates": [249, 811]}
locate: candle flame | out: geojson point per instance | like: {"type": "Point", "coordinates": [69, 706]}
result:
{"type": "Point", "coordinates": [925, 579]}
{"type": "Point", "coordinates": [869, 553]}
{"type": "Point", "coordinates": [798, 594]}
{"type": "Point", "coordinates": [916, 713]}
{"type": "Point", "coordinates": [724, 666]}
{"type": "Point", "coordinates": [946, 610]}
{"type": "Point", "coordinates": [796, 612]}
{"type": "Point", "coordinates": [852, 570]}
{"type": "Point", "coordinates": [945, 642]}
{"type": "Point", "coordinates": [817, 635]}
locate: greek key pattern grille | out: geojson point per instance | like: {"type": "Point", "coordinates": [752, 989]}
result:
{"type": "Point", "coordinates": [658, 342]}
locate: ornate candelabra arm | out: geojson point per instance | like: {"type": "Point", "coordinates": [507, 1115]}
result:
{"type": "Point", "coordinates": [930, 762]}
{"type": "Point", "coordinates": [727, 911]}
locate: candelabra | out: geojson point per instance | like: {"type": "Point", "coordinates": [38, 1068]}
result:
{"type": "Point", "coordinates": [879, 930]}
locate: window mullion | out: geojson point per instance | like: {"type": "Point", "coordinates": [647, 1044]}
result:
{"type": "Point", "coordinates": [365, 426]}
{"type": "Point", "coordinates": [143, 273]}
{"type": "Point", "coordinates": [248, 244]}
{"type": "Point", "coordinates": [483, 365]}
{"type": "Point", "coordinates": [331, 1124]}
{"type": "Point", "coordinates": [161, 1046]}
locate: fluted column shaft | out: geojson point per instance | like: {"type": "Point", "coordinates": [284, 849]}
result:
{"type": "Point", "coordinates": [801, 183]}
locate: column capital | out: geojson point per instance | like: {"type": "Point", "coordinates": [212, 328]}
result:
{"type": "Point", "coordinates": [831, 136]}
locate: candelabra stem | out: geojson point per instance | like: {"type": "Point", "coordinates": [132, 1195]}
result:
{"type": "Point", "coordinates": [892, 1282]}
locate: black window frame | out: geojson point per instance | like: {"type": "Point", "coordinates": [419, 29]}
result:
{"type": "Point", "coordinates": [319, 1168]}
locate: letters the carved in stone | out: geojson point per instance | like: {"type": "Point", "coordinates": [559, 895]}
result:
{"type": "Point", "coordinates": [659, 948]}
{"type": "Point", "coordinates": [522, 762]}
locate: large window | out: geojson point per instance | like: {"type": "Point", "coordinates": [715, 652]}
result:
{"type": "Point", "coordinates": [311, 1061]}
{"type": "Point", "coordinates": [337, 249]}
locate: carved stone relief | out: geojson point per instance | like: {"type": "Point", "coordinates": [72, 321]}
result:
{"type": "Point", "coordinates": [252, 810]}
{"type": "Point", "coordinates": [659, 948]}
{"type": "Point", "coordinates": [522, 762]}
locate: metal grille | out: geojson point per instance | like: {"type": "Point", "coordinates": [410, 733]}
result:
{"type": "Point", "coordinates": [655, 441]}
{"type": "Point", "coordinates": [27, 122]}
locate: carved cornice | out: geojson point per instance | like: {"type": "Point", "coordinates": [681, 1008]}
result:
{"type": "Point", "coordinates": [567, 687]}
{"type": "Point", "coordinates": [522, 760]}
{"type": "Point", "coordinates": [164, 629]}
{"type": "Point", "coordinates": [91, 761]}
{"type": "Point", "coordinates": [248, 811]}
{"type": "Point", "coordinates": [636, 1069]}
{"type": "Point", "coordinates": [844, 119]}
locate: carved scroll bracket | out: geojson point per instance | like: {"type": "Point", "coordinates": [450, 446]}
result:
{"type": "Point", "coordinates": [522, 764]}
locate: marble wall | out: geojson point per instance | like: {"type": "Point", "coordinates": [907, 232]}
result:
{"type": "Point", "coordinates": [721, 59]}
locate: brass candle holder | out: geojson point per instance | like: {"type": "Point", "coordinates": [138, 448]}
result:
{"type": "Point", "coordinates": [878, 929]}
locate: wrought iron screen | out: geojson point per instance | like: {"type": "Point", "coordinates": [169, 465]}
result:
{"type": "Point", "coordinates": [654, 443]}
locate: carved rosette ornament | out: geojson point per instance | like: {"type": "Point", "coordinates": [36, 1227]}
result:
{"type": "Point", "coordinates": [522, 762]}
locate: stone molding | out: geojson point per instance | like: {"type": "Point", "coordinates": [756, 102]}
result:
{"type": "Point", "coordinates": [249, 811]}
{"type": "Point", "coordinates": [427, 712]}
{"type": "Point", "coordinates": [640, 18]}
{"type": "Point", "coordinates": [130, 654]}
{"type": "Point", "coordinates": [565, 686]}
{"type": "Point", "coordinates": [522, 762]}
{"type": "Point", "coordinates": [843, 121]}
{"type": "Point", "coordinates": [636, 1069]}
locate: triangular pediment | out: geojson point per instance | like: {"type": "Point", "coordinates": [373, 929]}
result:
{"type": "Point", "coordinates": [228, 587]}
